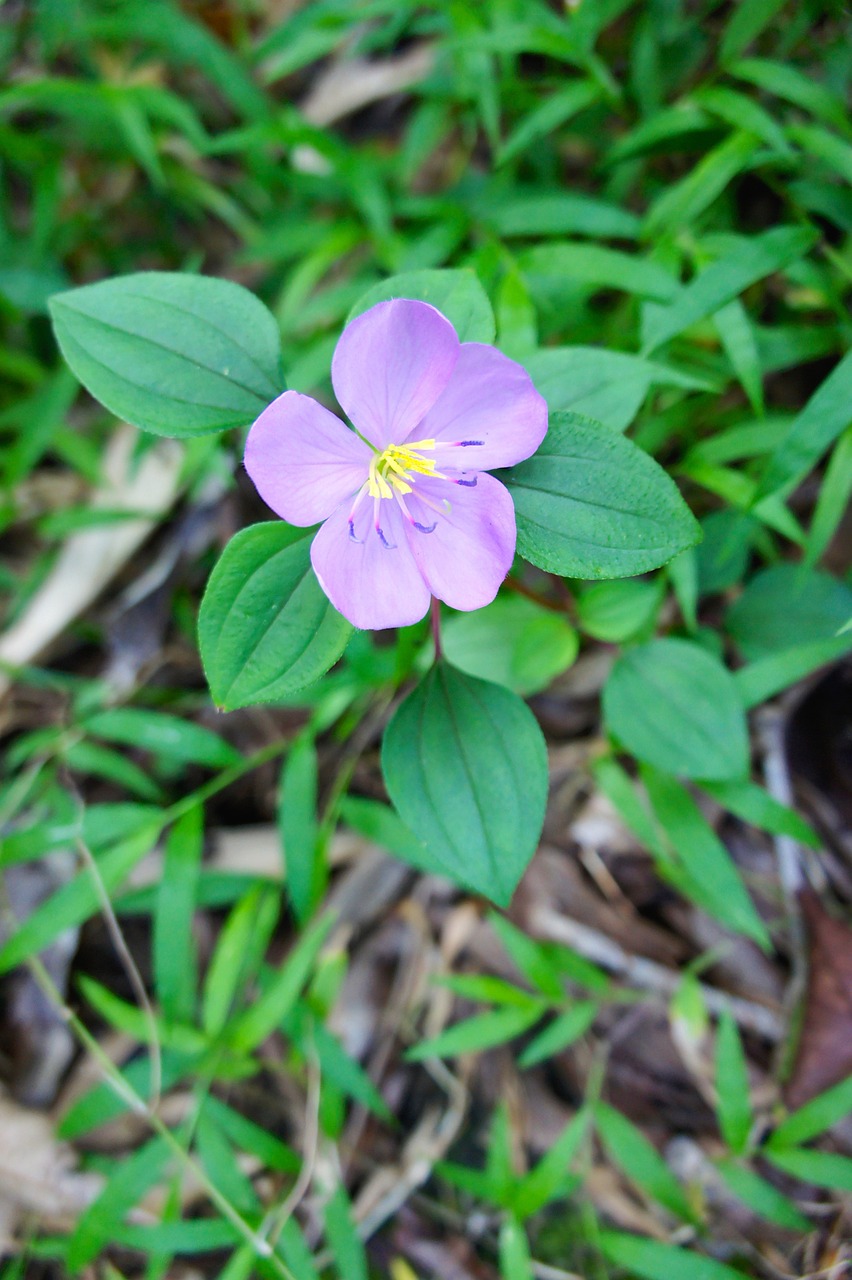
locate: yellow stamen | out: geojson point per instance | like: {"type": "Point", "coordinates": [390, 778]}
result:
{"type": "Point", "coordinates": [397, 465]}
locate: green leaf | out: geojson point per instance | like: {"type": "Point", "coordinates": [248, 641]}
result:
{"type": "Point", "coordinates": [456, 294]}
{"type": "Point", "coordinates": [826, 415]}
{"type": "Point", "coordinates": [747, 21]}
{"type": "Point", "coordinates": [687, 199]}
{"type": "Point", "coordinates": [101, 762]}
{"type": "Point", "coordinates": [127, 1184]}
{"type": "Point", "coordinates": [239, 948]}
{"type": "Point", "coordinates": [174, 953]}
{"type": "Point", "coordinates": [832, 499]}
{"type": "Point", "coordinates": [675, 706]}
{"type": "Point", "coordinates": [653, 1260]}
{"type": "Point", "coordinates": [512, 642]}
{"type": "Point", "coordinates": [542, 212]}
{"type": "Point", "coordinates": [380, 823]}
{"type": "Point", "coordinates": [786, 81]}
{"type": "Point", "coordinates": [551, 1178]}
{"type": "Point", "coordinates": [270, 1009]}
{"type": "Point", "coordinates": [514, 1249]}
{"type": "Point", "coordinates": [742, 112]}
{"type": "Point", "coordinates": [783, 601]}
{"type": "Point", "coordinates": [723, 554]}
{"type": "Point", "coordinates": [555, 110]}
{"type": "Point", "coordinates": [163, 734]}
{"type": "Point", "coordinates": [266, 628]}
{"type": "Point", "coordinates": [615, 611]}
{"type": "Point", "coordinates": [815, 1117]}
{"type": "Point", "coordinates": [712, 877]}
{"type": "Point", "coordinates": [766, 677]}
{"type": "Point", "coordinates": [297, 822]}
{"type": "Point", "coordinates": [251, 1137]}
{"type": "Point", "coordinates": [590, 504]}
{"type": "Point", "coordinates": [465, 764]}
{"type": "Point", "coordinates": [595, 267]}
{"type": "Point", "coordinates": [761, 1196]}
{"type": "Point", "coordinates": [825, 146]}
{"type": "Point", "coordinates": [751, 803]}
{"type": "Point", "coordinates": [732, 1086]}
{"type": "Point", "coordinates": [179, 355]}
{"type": "Point", "coordinates": [822, 1168]}
{"type": "Point", "coordinates": [724, 279]}
{"type": "Point", "coordinates": [80, 898]}
{"type": "Point", "coordinates": [620, 790]}
{"type": "Point", "coordinates": [342, 1236]}
{"type": "Point", "coordinates": [529, 957]}
{"type": "Point", "coordinates": [609, 386]}
{"type": "Point", "coordinates": [738, 339]}
{"type": "Point", "coordinates": [563, 1031]}
{"type": "Point", "coordinates": [642, 1163]}
{"type": "Point", "coordinates": [344, 1072]}
{"type": "Point", "coordinates": [482, 1031]}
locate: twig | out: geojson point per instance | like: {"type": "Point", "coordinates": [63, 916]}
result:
{"type": "Point", "coordinates": [128, 964]}
{"type": "Point", "coordinates": [647, 974]}
{"type": "Point", "coordinates": [276, 1220]}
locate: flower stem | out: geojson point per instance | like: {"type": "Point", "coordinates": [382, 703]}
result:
{"type": "Point", "coordinates": [436, 628]}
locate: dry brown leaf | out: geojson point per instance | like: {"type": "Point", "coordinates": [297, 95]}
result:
{"type": "Point", "coordinates": [89, 559]}
{"type": "Point", "coordinates": [37, 1174]}
{"type": "Point", "coordinates": [824, 1054]}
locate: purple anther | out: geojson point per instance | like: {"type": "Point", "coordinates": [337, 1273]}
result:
{"type": "Point", "coordinates": [463, 444]}
{"type": "Point", "coordinates": [468, 484]}
{"type": "Point", "coordinates": [352, 537]}
{"type": "Point", "coordinates": [391, 546]}
{"type": "Point", "coordinates": [425, 528]}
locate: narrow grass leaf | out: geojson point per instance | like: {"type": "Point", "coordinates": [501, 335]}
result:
{"type": "Point", "coordinates": [725, 279]}
{"type": "Point", "coordinates": [473, 1035]}
{"type": "Point", "coordinates": [825, 416]}
{"type": "Point", "coordinates": [564, 1030]}
{"type": "Point", "coordinates": [755, 805]}
{"type": "Point", "coordinates": [815, 1117]}
{"type": "Point", "coordinates": [732, 1086]}
{"type": "Point", "coordinates": [713, 879]}
{"type": "Point", "coordinates": [174, 952]}
{"type": "Point", "coordinates": [761, 1196]}
{"type": "Point", "coordinates": [632, 1152]}
{"type": "Point", "coordinates": [269, 1010]}
{"type": "Point", "coordinates": [822, 1168]}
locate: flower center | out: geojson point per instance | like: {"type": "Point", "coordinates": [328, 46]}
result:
{"type": "Point", "coordinates": [397, 466]}
{"type": "Point", "coordinates": [393, 473]}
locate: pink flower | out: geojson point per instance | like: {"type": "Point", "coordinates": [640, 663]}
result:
{"type": "Point", "coordinates": [407, 507]}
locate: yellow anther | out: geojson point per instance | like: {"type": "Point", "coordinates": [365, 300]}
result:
{"type": "Point", "coordinates": [396, 465]}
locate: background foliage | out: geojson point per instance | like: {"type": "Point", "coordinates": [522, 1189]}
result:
{"type": "Point", "coordinates": [653, 200]}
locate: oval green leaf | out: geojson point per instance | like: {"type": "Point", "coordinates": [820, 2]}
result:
{"type": "Point", "coordinates": [456, 294]}
{"type": "Point", "coordinates": [590, 504]}
{"type": "Point", "coordinates": [265, 627]}
{"type": "Point", "coordinates": [178, 355]}
{"type": "Point", "coordinates": [466, 766]}
{"type": "Point", "coordinates": [513, 642]}
{"type": "Point", "coordinates": [674, 705]}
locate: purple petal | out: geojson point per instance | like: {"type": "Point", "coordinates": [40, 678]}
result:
{"type": "Point", "coordinates": [372, 585]}
{"type": "Point", "coordinates": [471, 549]}
{"type": "Point", "coordinates": [391, 365]}
{"type": "Point", "coordinates": [491, 399]}
{"type": "Point", "coordinates": [304, 462]}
